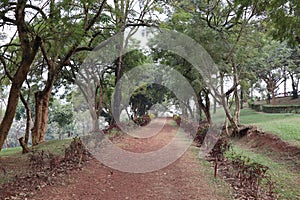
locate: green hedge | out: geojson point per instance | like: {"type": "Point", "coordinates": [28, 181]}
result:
{"type": "Point", "coordinates": [281, 108]}
{"type": "Point", "coordinates": [256, 107]}
{"type": "Point", "coordinates": [275, 108]}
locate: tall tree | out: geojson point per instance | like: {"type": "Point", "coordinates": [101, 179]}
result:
{"type": "Point", "coordinates": [58, 48]}
{"type": "Point", "coordinates": [220, 26]}
{"type": "Point", "coordinates": [29, 45]}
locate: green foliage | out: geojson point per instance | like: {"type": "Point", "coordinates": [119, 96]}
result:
{"type": "Point", "coordinates": [146, 96]}
{"type": "Point", "coordinates": [152, 116]}
{"type": "Point", "coordinates": [62, 114]}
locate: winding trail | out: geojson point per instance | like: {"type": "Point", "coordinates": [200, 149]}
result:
{"type": "Point", "coordinates": [182, 180]}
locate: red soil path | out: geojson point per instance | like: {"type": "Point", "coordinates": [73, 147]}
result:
{"type": "Point", "coordinates": [183, 179]}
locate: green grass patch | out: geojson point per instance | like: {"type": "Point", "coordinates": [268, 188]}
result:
{"type": "Point", "coordinates": [11, 151]}
{"type": "Point", "coordinates": [219, 186]}
{"type": "Point", "coordinates": [287, 182]}
{"type": "Point", "coordinates": [286, 126]}
{"type": "Point", "coordinates": [56, 147]}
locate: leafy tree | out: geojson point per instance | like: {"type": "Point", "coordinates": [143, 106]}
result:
{"type": "Point", "coordinates": [285, 19]}
{"type": "Point", "coordinates": [145, 97]}
{"type": "Point", "coordinates": [293, 71]}
{"type": "Point", "coordinates": [13, 14]}
{"type": "Point", "coordinates": [269, 64]}
{"type": "Point", "coordinates": [63, 115]}
{"type": "Point", "coordinates": [220, 27]}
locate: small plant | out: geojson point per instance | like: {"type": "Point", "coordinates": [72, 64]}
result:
{"type": "Point", "coordinates": [251, 176]}
{"type": "Point", "coordinates": [152, 116]}
{"type": "Point", "coordinates": [177, 119]}
{"type": "Point", "coordinates": [142, 121]}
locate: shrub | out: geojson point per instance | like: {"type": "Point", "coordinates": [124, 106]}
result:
{"type": "Point", "coordinates": [152, 116]}
{"type": "Point", "coordinates": [177, 119]}
{"type": "Point", "coordinates": [142, 121]}
{"type": "Point", "coordinates": [281, 108]}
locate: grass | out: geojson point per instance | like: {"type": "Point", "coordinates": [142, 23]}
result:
{"type": "Point", "coordinates": [286, 126]}
{"type": "Point", "coordinates": [287, 182]}
{"type": "Point", "coordinates": [11, 151]}
{"type": "Point", "coordinates": [218, 184]}
{"type": "Point", "coordinates": [53, 146]}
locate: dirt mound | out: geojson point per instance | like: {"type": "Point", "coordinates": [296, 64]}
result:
{"type": "Point", "coordinates": [259, 140]}
{"type": "Point", "coordinates": [45, 169]}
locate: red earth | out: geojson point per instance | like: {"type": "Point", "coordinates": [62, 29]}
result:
{"type": "Point", "coordinates": [184, 179]}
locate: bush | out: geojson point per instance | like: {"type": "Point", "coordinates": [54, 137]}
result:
{"type": "Point", "coordinates": [142, 121]}
{"type": "Point", "coordinates": [256, 107]}
{"type": "Point", "coordinates": [177, 119]}
{"type": "Point", "coordinates": [281, 108]}
{"type": "Point", "coordinates": [152, 116]}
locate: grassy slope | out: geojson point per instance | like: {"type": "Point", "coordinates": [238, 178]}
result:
{"type": "Point", "coordinates": [286, 126]}
{"type": "Point", "coordinates": [287, 181]}
{"type": "Point", "coordinates": [53, 146]}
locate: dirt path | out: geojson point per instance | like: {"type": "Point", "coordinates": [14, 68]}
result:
{"type": "Point", "coordinates": [184, 179]}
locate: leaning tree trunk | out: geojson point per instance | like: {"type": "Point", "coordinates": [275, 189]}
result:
{"type": "Point", "coordinates": [29, 50]}
{"type": "Point", "coordinates": [13, 99]}
{"type": "Point", "coordinates": [23, 145]}
{"type": "Point", "coordinates": [273, 96]}
{"type": "Point", "coordinates": [28, 117]}
{"type": "Point", "coordinates": [118, 90]}
{"type": "Point", "coordinates": [224, 101]}
{"type": "Point", "coordinates": [229, 116]}
{"type": "Point", "coordinates": [28, 123]}
{"type": "Point", "coordinates": [205, 107]}
{"type": "Point", "coordinates": [237, 110]}
{"type": "Point", "coordinates": [38, 131]}
{"type": "Point", "coordinates": [10, 112]}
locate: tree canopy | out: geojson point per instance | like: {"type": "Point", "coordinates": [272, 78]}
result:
{"type": "Point", "coordinates": [45, 46]}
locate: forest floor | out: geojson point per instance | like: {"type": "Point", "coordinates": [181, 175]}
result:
{"type": "Point", "coordinates": [186, 178]}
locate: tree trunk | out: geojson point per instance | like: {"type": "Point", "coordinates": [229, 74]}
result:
{"type": "Point", "coordinates": [284, 81]}
{"type": "Point", "coordinates": [1, 114]}
{"type": "Point", "coordinates": [29, 50]}
{"type": "Point", "coordinates": [28, 123]}
{"type": "Point", "coordinates": [7, 143]}
{"type": "Point", "coordinates": [236, 94]}
{"type": "Point", "coordinates": [205, 107]}
{"type": "Point", "coordinates": [295, 83]}
{"type": "Point", "coordinates": [28, 117]}
{"type": "Point", "coordinates": [242, 98]}
{"type": "Point", "coordinates": [25, 149]}
{"type": "Point", "coordinates": [96, 124]}
{"type": "Point", "coordinates": [118, 91]}
{"type": "Point", "coordinates": [38, 131]}
{"type": "Point", "coordinates": [229, 116]}
{"type": "Point", "coordinates": [224, 101]}
{"type": "Point", "coordinates": [10, 112]}
{"type": "Point", "coordinates": [273, 96]}
{"type": "Point", "coordinates": [215, 105]}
